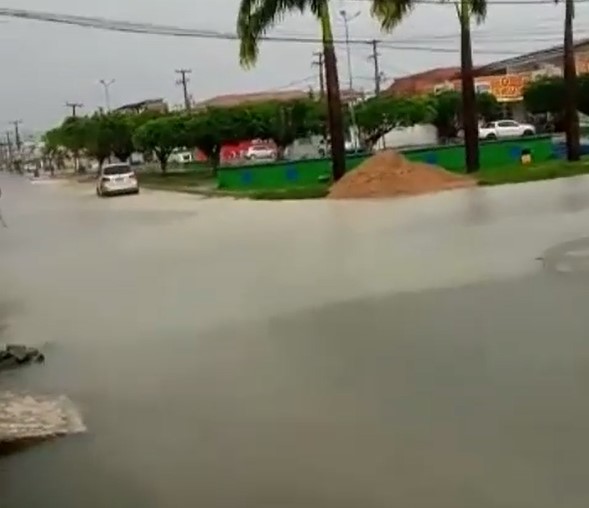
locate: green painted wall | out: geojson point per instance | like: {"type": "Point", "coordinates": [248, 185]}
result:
{"type": "Point", "coordinates": [310, 172]}
{"type": "Point", "coordinates": [493, 154]}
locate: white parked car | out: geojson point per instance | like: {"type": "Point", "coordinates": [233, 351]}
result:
{"type": "Point", "coordinates": [260, 152]}
{"type": "Point", "coordinates": [505, 129]}
{"type": "Point", "coordinates": [117, 179]}
{"type": "Point", "coordinates": [181, 157]}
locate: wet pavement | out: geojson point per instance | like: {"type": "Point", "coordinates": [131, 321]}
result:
{"type": "Point", "coordinates": [426, 352]}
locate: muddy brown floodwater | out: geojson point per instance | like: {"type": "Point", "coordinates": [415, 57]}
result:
{"type": "Point", "coordinates": [412, 353]}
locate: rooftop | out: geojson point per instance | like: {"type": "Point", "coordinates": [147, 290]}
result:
{"type": "Point", "coordinates": [552, 52]}
{"type": "Point", "coordinates": [264, 96]}
{"type": "Point", "coordinates": [422, 82]}
{"type": "Point", "coordinates": [141, 104]}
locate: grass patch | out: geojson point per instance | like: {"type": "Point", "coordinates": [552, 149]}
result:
{"type": "Point", "coordinates": [533, 172]}
{"type": "Point", "coordinates": [179, 181]}
{"type": "Point", "coordinates": [295, 193]}
{"type": "Point", "coordinates": [314, 192]}
{"type": "Point", "coordinates": [202, 181]}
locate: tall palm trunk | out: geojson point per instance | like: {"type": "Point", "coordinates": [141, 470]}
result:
{"type": "Point", "coordinates": [571, 117]}
{"type": "Point", "coordinates": [469, 105]}
{"type": "Point", "coordinates": [334, 103]}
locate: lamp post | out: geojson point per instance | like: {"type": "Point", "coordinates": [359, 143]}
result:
{"type": "Point", "coordinates": [106, 84]}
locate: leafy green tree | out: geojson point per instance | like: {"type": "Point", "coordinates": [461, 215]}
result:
{"type": "Point", "coordinates": [53, 151]}
{"type": "Point", "coordinates": [209, 129]}
{"type": "Point", "coordinates": [161, 136]}
{"type": "Point", "coordinates": [285, 122]}
{"type": "Point", "coordinates": [545, 95]}
{"type": "Point", "coordinates": [391, 12]}
{"type": "Point", "coordinates": [377, 116]}
{"type": "Point", "coordinates": [122, 128]}
{"type": "Point", "coordinates": [74, 133]}
{"type": "Point", "coordinates": [488, 107]}
{"type": "Point", "coordinates": [255, 17]}
{"type": "Point", "coordinates": [138, 119]}
{"type": "Point", "coordinates": [448, 107]}
{"type": "Point", "coordinates": [74, 137]}
{"type": "Point", "coordinates": [99, 137]}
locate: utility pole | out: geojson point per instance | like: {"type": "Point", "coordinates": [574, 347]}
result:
{"type": "Point", "coordinates": [347, 18]}
{"type": "Point", "coordinates": [377, 73]}
{"type": "Point", "coordinates": [184, 81]}
{"type": "Point", "coordinates": [9, 147]}
{"type": "Point", "coordinates": [3, 155]}
{"type": "Point", "coordinates": [17, 140]}
{"type": "Point", "coordinates": [74, 106]}
{"type": "Point", "coordinates": [319, 64]}
{"type": "Point", "coordinates": [106, 84]}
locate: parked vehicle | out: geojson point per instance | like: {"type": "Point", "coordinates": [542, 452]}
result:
{"type": "Point", "coordinates": [350, 146]}
{"type": "Point", "coordinates": [506, 129]}
{"type": "Point", "coordinates": [116, 179]}
{"type": "Point", "coordinates": [181, 157]}
{"type": "Point", "coordinates": [260, 152]}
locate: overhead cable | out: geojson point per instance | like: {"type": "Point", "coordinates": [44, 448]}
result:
{"type": "Point", "coordinates": [174, 31]}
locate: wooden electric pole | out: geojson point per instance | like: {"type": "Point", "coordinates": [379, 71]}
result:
{"type": "Point", "coordinates": [184, 82]}
{"type": "Point", "coordinates": [74, 107]}
{"type": "Point", "coordinates": [377, 74]}
{"type": "Point", "coordinates": [319, 64]}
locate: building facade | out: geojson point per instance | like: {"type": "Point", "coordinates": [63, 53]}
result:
{"type": "Point", "coordinates": [505, 79]}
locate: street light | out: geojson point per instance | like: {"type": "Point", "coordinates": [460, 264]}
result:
{"type": "Point", "coordinates": [354, 129]}
{"type": "Point", "coordinates": [106, 85]}
{"type": "Point", "coordinates": [347, 18]}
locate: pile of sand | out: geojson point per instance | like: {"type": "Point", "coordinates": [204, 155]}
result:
{"type": "Point", "coordinates": [389, 174]}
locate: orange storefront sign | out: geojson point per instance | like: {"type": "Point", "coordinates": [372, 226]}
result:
{"type": "Point", "coordinates": [506, 87]}
{"type": "Point", "coordinates": [509, 87]}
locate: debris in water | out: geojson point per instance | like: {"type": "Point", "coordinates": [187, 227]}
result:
{"type": "Point", "coordinates": [14, 355]}
{"type": "Point", "coordinates": [26, 419]}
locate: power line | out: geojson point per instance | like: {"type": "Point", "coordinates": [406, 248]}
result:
{"type": "Point", "coordinates": [490, 2]}
{"type": "Point", "coordinates": [173, 31]}
{"type": "Point", "coordinates": [429, 49]}
{"type": "Point", "coordinates": [478, 33]}
{"type": "Point", "coordinates": [292, 83]}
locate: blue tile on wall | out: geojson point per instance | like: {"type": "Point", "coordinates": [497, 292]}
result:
{"type": "Point", "coordinates": [431, 158]}
{"type": "Point", "coordinates": [292, 174]}
{"type": "Point", "coordinates": [515, 152]}
{"type": "Point", "coordinates": [247, 177]}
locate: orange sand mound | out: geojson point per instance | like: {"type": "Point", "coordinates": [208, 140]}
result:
{"type": "Point", "coordinates": [388, 174]}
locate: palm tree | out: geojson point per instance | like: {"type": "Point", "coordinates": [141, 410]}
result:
{"type": "Point", "coordinates": [571, 117]}
{"type": "Point", "coordinates": [391, 12]}
{"type": "Point", "coordinates": [255, 17]}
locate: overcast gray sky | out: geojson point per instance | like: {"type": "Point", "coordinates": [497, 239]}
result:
{"type": "Point", "coordinates": [48, 64]}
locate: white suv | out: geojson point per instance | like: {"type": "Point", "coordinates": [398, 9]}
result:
{"type": "Point", "coordinates": [506, 129]}
{"type": "Point", "coordinates": [260, 152]}
{"type": "Point", "coordinates": [116, 179]}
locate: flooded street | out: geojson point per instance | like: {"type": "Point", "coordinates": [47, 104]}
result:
{"type": "Point", "coordinates": [402, 353]}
